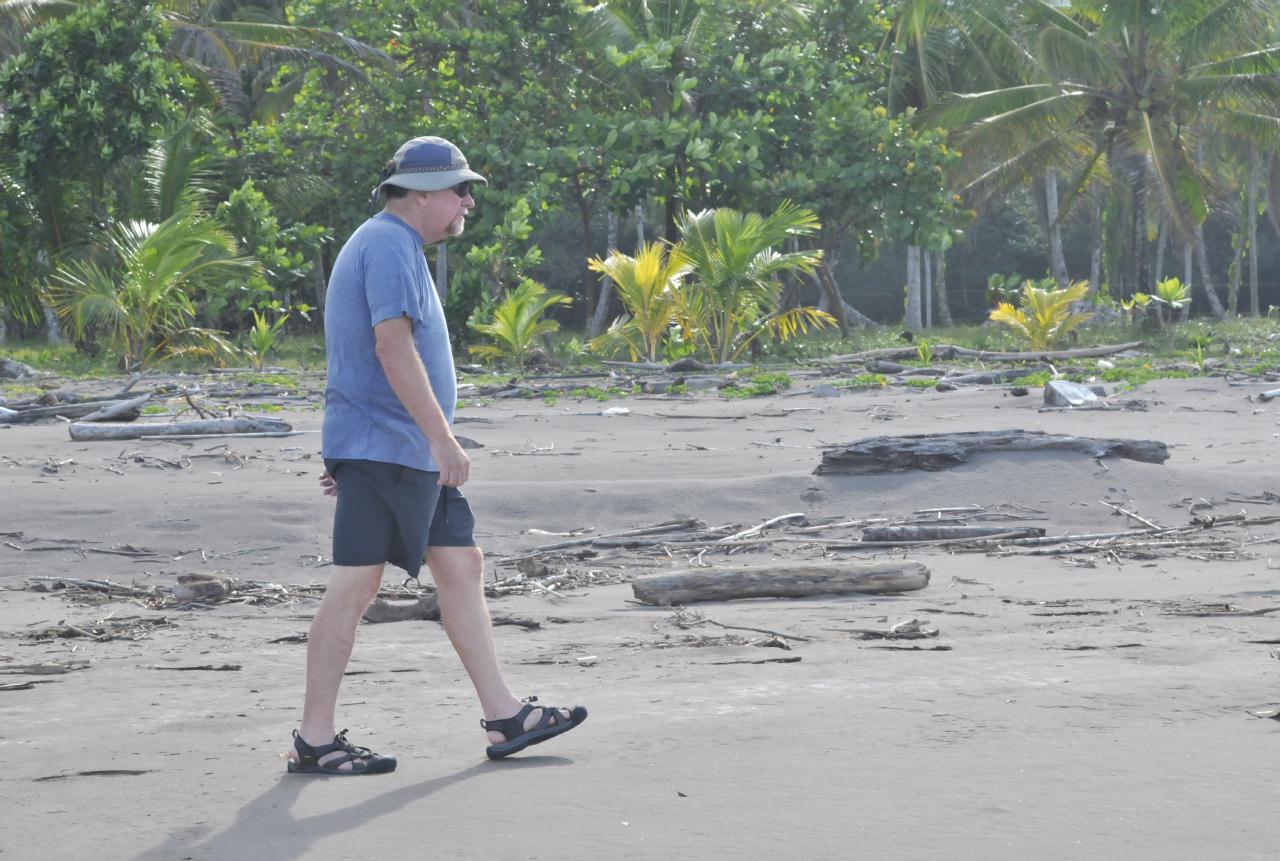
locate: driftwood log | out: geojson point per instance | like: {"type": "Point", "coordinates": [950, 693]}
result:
{"type": "Point", "coordinates": [89, 432]}
{"type": "Point", "coordinates": [946, 532]}
{"type": "Point", "coordinates": [932, 452]}
{"type": "Point", "coordinates": [425, 608]}
{"type": "Point", "coordinates": [798, 580]}
{"type": "Point", "coordinates": [87, 410]}
{"type": "Point", "coordinates": [987, 378]}
{"type": "Point", "coordinates": [949, 351]}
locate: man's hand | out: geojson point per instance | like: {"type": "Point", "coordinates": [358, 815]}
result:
{"type": "Point", "coordinates": [328, 484]}
{"type": "Point", "coordinates": [455, 466]}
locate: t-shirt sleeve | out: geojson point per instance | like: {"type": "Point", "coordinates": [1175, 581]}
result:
{"type": "Point", "coordinates": [390, 286]}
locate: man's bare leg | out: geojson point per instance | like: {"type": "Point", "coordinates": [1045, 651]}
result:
{"type": "Point", "coordinates": [333, 633]}
{"type": "Point", "coordinates": [459, 576]}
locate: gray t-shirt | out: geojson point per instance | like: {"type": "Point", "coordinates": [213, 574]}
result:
{"type": "Point", "coordinates": [381, 274]}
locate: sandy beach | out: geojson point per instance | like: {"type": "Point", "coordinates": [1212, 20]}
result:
{"type": "Point", "coordinates": [1077, 705]}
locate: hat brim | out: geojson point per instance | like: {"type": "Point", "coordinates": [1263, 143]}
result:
{"type": "Point", "coordinates": [434, 180]}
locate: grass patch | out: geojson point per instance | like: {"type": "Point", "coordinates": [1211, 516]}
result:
{"type": "Point", "coordinates": [922, 382]}
{"type": "Point", "coordinates": [759, 385]}
{"type": "Point", "coordinates": [864, 381]}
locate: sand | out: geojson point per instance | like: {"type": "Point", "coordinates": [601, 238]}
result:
{"type": "Point", "coordinates": [1121, 730]}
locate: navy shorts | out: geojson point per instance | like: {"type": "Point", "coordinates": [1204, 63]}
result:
{"type": "Point", "coordinates": [392, 513]}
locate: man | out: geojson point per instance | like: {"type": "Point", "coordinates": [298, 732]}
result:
{"type": "Point", "coordinates": [393, 462]}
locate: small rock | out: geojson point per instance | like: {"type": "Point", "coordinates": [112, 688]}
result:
{"type": "Point", "coordinates": [825, 390]}
{"type": "Point", "coordinates": [945, 387]}
{"type": "Point", "coordinates": [1061, 393]}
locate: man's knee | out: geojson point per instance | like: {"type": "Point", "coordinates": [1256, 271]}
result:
{"type": "Point", "coordinates": [456, 566]}
{"type": "Point", "coordinates": [354, 587]}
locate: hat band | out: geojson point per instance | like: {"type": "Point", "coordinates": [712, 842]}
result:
{"type": "Point", "coordinates": [430, 169]}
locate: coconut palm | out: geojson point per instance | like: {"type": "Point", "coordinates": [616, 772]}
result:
{"type": "Point", "coordinates": [1043, 316]}
{"type": "Point", "coordinates": [647, 285]}
{"type": "Point", "coordinates": [1124, 92]}
{"type": "Point", "coordinates": [517, 323]}
{"type": "Point", "coordinates": [732, 298]}
{"type": "Point", "coordinates": [142, 298]}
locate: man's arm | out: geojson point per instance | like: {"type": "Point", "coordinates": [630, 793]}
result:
{"type": "Point", "coordinates": [408, 378]}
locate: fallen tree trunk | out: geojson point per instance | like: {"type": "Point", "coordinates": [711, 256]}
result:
{"type": "Point", "coordinates": [932, 452]}
{"type": "Point", "coordinates": [950, 351]}
{"type": "Point", "coordinates": [906, 534]}
{"type": "Point", "coordinates": [89, 432]}
{"type": "Point", "coordinates": [126, 410]}
{"type": "Point", "coordinates": [787, 581]}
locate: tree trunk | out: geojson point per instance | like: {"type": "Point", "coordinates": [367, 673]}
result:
{"type": "Point", "coordinates": [1251, 209]}
{"type": "Point", "coordinates": [639, 227]}
{"type": "Point", "coordinates": [1187, 279]}
{"type": "Point", "coordinates": [584, 216]}
{"type": "Point", "coordinates": [912, 319]}
{"type": "Point", "coordinates": [940, 289]}
{"type": "Point", "coordinates": [319, 282]}
{"type": "Point", "coordinates": [1095, 250]}
{"type": "Point", "coordinates": [926, 287]}
{"type": "Point", "coordinates": [202, 427]}
{"type": "Point", "coordinates": [831, 292]}
{"type": "Point", "coordinates": [1057, 260]}
{"type": "Point", "coordinates": [600, 317]}
{"type": "Point", "coordinates": [1237, 264]}
{"type": "Point", "coordinates": [1162, 244]}
{"type": "Point", "coordinates": [53, 333]}
{"type": "Point", "coordinates": [442, 272]}
{"type": "Point", "coordinates": [1206, 281]}
{"type": "Point", "coordinates": [1140, 251]}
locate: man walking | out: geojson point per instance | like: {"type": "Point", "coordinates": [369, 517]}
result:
{"type": "Point", "coordinates": [393, 462]}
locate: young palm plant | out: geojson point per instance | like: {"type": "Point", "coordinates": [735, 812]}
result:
{"type": "Point", "coordinates": [517, 323]}
{"type": "Point", "coordinates": [646, 284]}
{"type": "Point", "coordinates": [733, 297]}
{"type": "Point", "coordinates": [1044, 316]}
{"type": "Point", "coordinates": [142, 300]}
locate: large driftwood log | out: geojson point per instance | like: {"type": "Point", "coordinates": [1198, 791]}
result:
{"type": "Point", "coordinates": [799, 580]}
{"type": "Point", "coordinates": [932, 452]}
{"type": "Point", "coordinates": [930, 532]}
{"type": "Point", "coordinates": [949, 351]}
{"type": "Point", "coordinates": [89, 432]}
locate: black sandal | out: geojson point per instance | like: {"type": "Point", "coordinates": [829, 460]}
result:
{"type": "Point", "coordinates": [551, 724]}
{"type": "Point", "coordinates": [362, 760]}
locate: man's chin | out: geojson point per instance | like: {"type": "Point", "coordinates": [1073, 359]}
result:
{"type": "Point", "coordinates": [456, 228]}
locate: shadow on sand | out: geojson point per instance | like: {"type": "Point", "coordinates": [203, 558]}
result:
{"type": "Point", "coordinates": [266, 827]}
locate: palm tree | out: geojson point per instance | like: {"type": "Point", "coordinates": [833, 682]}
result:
{"type": "Point", "coordinates": [1124, 93]}
{"type": "Point", "coordinates": [517, 323]}
{"type": "Point", "coordinates": [733, 296]}
{"type": "Point", "coordinates": [647, 284]}
{"type": "Point", "coordinates": [142, 299]}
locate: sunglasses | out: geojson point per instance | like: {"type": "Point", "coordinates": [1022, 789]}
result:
{"type": "Point", "coordinates": [462, 189]}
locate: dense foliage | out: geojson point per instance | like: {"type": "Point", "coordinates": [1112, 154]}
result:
{"type": "Point", "coordinates": [992, 137]}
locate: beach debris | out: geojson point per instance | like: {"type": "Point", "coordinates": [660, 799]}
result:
{"type": "Point", "coordinates": [200, 587]}
{"type": "Point", "coordinates": [46, 668]}
{"type": "Point", "coordinates": [81, 432]}
{"type": "Point", "coordinates": [1266, 396]}
{"type": "Point", "coordinates": [102, 630]}
{"type": "Point", "coordinates": [217, 668]}
{"type": "Point", "coordinates": [912, 648]}
{"type": "Point", "coordinates": [787, 580]}
{"type": "Point", "coordinates": [124, 409]}
{"type": "Point", "coordinates": [1272, 713]}
{"type": "Point", "coordinates": [1063, 393]}
{"type": "Point", "coordinates": [685, 618]}
{"type": "Point", "coordinates": [946, 532]}
{"type": "Point", "coordinates": [932, 452]}
{"type": "Point", "coordinates": [425, 608]}
{"type": "Point", "coordinates": [825, 390]}
{"type": "Point", "coordinates": [911, 629]}
{"type": "Point", "coordinates": [12, 369]}
{"type": "Point", "coordinates": [615, 411]}
{"type": "Point", "coordinates": [793, 659]}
